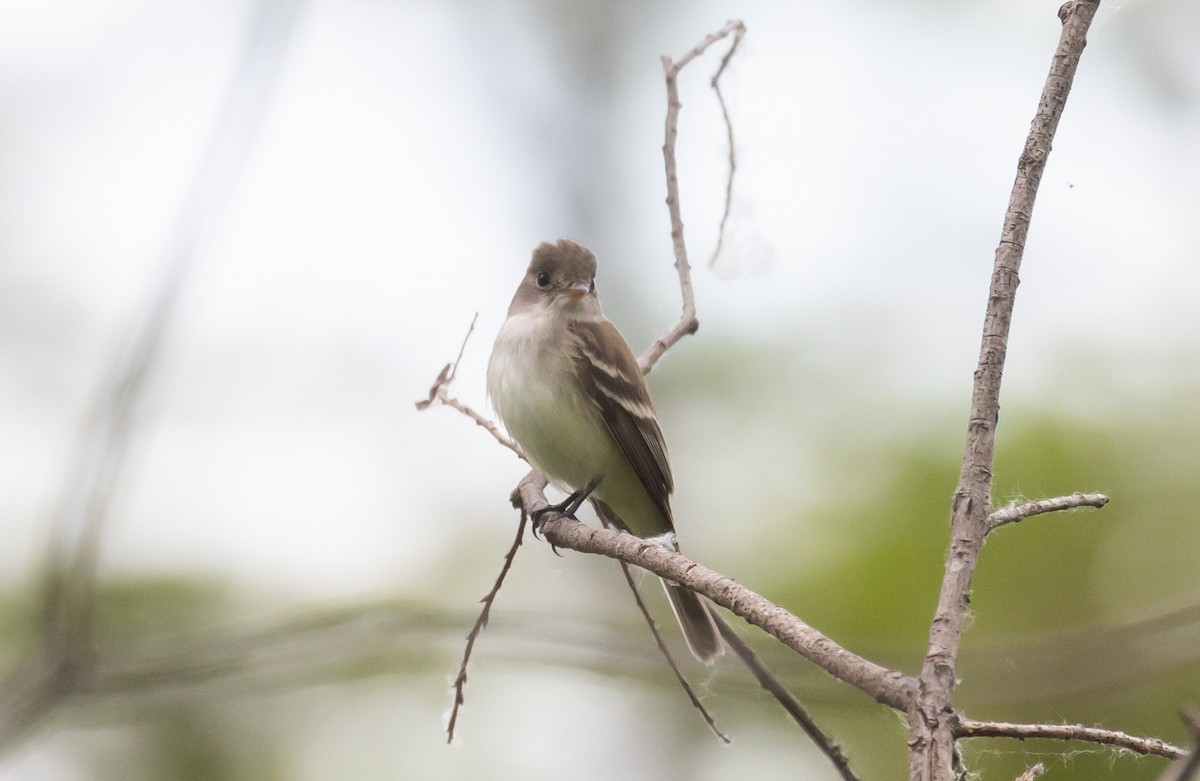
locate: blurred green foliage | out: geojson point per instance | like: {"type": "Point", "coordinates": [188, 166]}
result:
{"type": "Point", "coordinates": [138, 610]}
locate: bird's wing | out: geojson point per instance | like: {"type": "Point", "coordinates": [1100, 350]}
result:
{"type": "Point", "coordinates": [615, 384]}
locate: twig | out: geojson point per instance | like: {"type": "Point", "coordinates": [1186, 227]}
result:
{"type": "Point", "coordinates": [931, 737]}
{"type": "Point", "coordinates": [481, 421]}
{"type": "Point", "coordinates": [889, 687]}
{"type": "Point", "coordinates": [440, 392]}
{"type": "Point", "coordinates": [666, 652]}
{"type": "Point", "coordinates": [460, 682]}
{"type": "Point", "coordinates": [1017, 513]}
{"type": "Point", "coordinates": [968, 728]}
{"type": "Point", "coordinates": [688, 323]}
{"type": "Point", "coordinates": [716, 85]}
{"type": "Point", "coordinates": [608, 521]}
{"type": "Point", "coordinates": [449, 371]}
{"type": "Point", "coordinates": [767, 680]}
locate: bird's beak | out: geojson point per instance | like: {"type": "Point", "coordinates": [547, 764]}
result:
{"type": "Point", "coordinates": [577, 290]}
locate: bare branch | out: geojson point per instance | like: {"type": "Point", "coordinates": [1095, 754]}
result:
{"type": "Point", "coordinates": [666, 652]}
{"type": "Point", "coordinates": [438, 382]}
{"type": "Point", "coordinates": [775, 687]}
{"type": "Point", "coordinates": [931, 737]}
{"type": "Point", "coordinates": [460, 681]}
{"type": "Point", "coordinates": [481, 421]}
{"type": "Point", "coordinates": [440, 392]}
{"type": "Point", "coordinates": [688, 323]}
{"type": "Point", "coordinates": [449, 371]}
{"type": "Point", "coordinates": [1017, 513]}
{"type": "Point", "coordinates": [716, 85]}
{"type": "Point", "coordinates": [968, 728]}
{"type": "Point", "coordinates": [889, 687]}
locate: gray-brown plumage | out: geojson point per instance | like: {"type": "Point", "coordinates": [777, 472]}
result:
{"type": "Point", "coordinates": [569, 390]}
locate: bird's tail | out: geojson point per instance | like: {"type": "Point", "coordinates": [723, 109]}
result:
{"type": "Point", "coordinates": [699, 629]}
{"type": "Point", "coordinates": [691, 610]}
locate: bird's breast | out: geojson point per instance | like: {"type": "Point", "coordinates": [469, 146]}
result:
{"type": "Point", "coordinates": [533, 387]}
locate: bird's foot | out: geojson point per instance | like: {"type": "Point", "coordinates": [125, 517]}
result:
{"type": "Point", "coordinates": [564, 509]}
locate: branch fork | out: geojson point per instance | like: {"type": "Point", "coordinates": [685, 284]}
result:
{"type": "Point", "coordinates": [934, 724]}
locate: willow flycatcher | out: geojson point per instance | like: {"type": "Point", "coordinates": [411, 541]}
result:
{"type": "Point", "coordinates": [569, 390]}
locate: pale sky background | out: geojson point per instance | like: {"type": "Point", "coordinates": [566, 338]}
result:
{"type": "Point", "coordinates": [414, 153]}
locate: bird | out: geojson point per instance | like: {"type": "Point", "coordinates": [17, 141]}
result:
{"type": "Point", "coordinates": [569, 390]}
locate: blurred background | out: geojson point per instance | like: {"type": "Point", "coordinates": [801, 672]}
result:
{"type": "Point", "coordinates": [239, 239]}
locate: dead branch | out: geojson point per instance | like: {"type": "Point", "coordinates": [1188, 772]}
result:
{"type": "Point", "coordinates": [890, 687]}
{"type": "Point", "coordinates": [1018, 513]}
{"type": "Point", "coordinates": [931, 735]}
{"type": "Point", "coordinates": [450, 370]}
{"type": "Point", "coordinates": [460, 681]}
{"type": "Point", "coordinates": [666, 654]}
{"type": "Point", "coordinates": [716, 85]}
{"type": "Point", "coordinates": [687, 319]}
{"type": "Point", "coordinates": [767, 680]}
{"type": "Point", "coordinates": [968, 728]}
{"type": "Point", "coordinates": [440, 392]}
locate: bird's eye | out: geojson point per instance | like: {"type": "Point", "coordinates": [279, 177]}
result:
{"type": "Point", "coordinates": [543, 279]}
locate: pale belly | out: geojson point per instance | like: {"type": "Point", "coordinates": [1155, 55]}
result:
{"type": "Point", "coordinates": [560, 429]}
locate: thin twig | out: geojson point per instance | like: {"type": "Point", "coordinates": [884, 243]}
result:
{"type": "Point", "coordinates": [449, 371]}
{"type": "Point", "coordinates": [968, 728]}
{"type": "Point", "coordinates": [462, 348]}
{"type": "Point", "coordinates": [931, 737]}
{"type": "Point", "coordinates": [890, 687]}
{"type": "Point", "coordinates": [716, 85]}
{"type": "Point", "coordinates": [687, 323]}
{"type": "Point", "coordinates": [481, 421]}
{"type": "Point", "coordinates": [1017, 513]}
{"type": "Point", "coordinates": [767, 680]}
{"type": "Point", "coordinates": [609, 521]}
{"type": "Point", "coordinates": [460, 681]}
{"type": "Point", "coordinates": [662, 648]}
{"type": "Point", "coordinates": [440, 392]}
